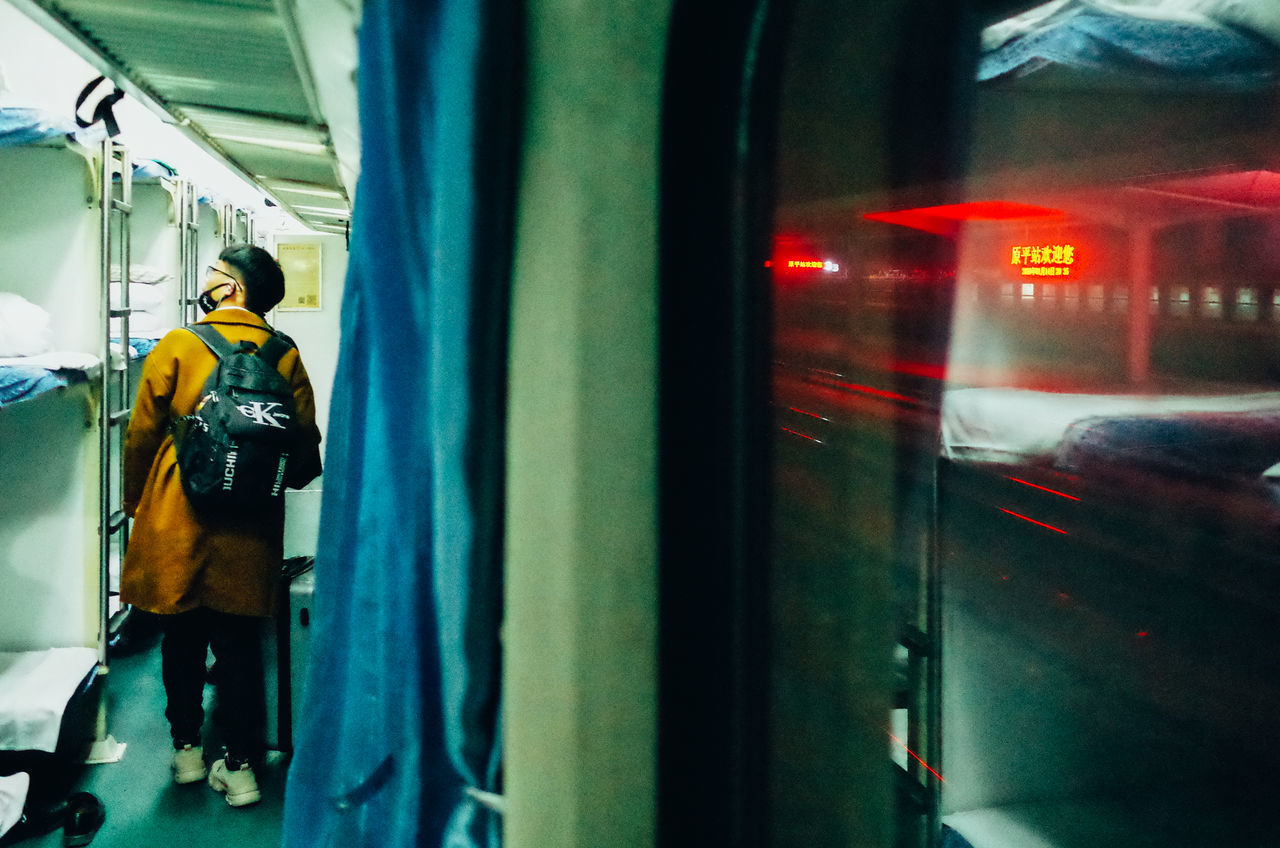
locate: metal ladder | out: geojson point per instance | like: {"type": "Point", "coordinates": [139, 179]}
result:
{"type": "Point", "coordinates": [238, 225]}
{"type": "Point", "coordinates": [116, 203]}
{"type": "Point", "coordinates": [188, 250]}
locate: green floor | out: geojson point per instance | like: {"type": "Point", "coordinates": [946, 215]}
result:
{"type": "Point", "coordinates": [145, 809]}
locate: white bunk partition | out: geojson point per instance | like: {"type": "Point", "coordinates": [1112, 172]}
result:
{"type": "Point", "coordinates": [50, 240]}
{"type": "Point", "coordinates": [49, 521]}
{"type": "Point", "coordinates": [209, 244]}
{"type": "Point", "coordinates": [209, 225]}
{"type": "Point", "coordinates": [50, 249]}
{"type": "Point", "coordinates": [155, 246]}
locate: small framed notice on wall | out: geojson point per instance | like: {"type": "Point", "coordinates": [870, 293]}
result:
{"type": "Point", "coordinates": [301, 265]}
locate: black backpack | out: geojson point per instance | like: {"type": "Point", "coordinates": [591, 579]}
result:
{"type": "Point", "coordinates": [233, 451]}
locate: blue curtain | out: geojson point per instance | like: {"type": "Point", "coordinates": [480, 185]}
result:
{"type": "Point", "coordinates": [399, 730]}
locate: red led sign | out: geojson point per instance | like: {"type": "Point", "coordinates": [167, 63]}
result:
{"type": "Point", "coordinates": [825, 265]}
{"type": "Point", "coordinates": [1044, 260]}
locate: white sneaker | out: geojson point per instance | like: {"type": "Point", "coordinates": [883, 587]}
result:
{"type": "Point", "coordinates": [188, 764]}
{"type": "Point", "coordinates": [240, 786]}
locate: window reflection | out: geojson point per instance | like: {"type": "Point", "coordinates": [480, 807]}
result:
{"type": "Point", "coordinates": [1072, 355]}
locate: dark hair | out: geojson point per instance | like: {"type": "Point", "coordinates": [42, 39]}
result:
{"type": "Point", "coordinates": [263, 279]}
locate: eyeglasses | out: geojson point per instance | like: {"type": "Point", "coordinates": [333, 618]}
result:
{"type": "Point", "coordinates": [212, 270]}
{"type": "Point", "coordinates": [205, 300]}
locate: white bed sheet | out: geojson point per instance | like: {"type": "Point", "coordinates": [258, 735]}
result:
{"type": "Point", "coordinates": [35, 687]}
{"type": "Point", "coordinates": [1019, 425]}
{"type": "Point", "coordinates": [13, 797]}
{"type": "Point", "coordinates": [56, 360]}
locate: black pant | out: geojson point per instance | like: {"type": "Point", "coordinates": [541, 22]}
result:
{"type": "Point", "coordinates": [237, 650]}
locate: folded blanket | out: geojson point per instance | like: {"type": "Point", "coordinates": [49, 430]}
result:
{"type": "Point", "coordinates": [21, 382]}
{"type": "Point", "coordinates": [146, 274]}
{"type": "Point", "coordinates": [1224, 44]}
{"type": "Point", "coordinates": [19, 126]}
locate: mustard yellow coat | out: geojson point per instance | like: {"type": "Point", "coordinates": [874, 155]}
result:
{"type": "Point", "coordinates": [178, 560]}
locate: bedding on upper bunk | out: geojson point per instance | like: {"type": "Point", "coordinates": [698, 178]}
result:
{"type": "Point", "coordinates": [1231, 43]}
{"type": "Point", "coordinates": [35, 687]}
{"type": "Point", "coordinates": [1021, 425]}
{"type": "Point", "coordinates": [147, 300]}
{"type": "Point", "coordinates": [28, 364]}
{"type": "Point", "coordinates": [153, 169]}
{"type": "Point", "coordinates": [21, 125]}
{"type": "Point", "coordinates": [147, 275]}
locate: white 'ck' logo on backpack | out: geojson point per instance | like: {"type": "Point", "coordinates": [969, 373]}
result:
{"type": "Point", "coordinates": [263, 413]}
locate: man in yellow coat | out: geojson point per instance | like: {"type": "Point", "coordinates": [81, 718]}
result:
{"type": "Point", "coordinates": [211, 578]}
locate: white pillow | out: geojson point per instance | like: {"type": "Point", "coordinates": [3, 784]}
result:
{"type": "Point", "coordinates": [141, 296]}
{"type": "Point", "coordinates": [141, 325]}
{"type": "Point", "coordinates": [24, 327]}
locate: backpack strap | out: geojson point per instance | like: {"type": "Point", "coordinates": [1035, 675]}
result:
{"type": "Point", "coordinates": [272, 350]}
{"type": "Point", "coordinates": [215, 341]}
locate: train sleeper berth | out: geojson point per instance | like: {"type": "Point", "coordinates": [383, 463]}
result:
{"type": "Point", "coordinates": [1008, 425]}
{"type": "Point", "coordinates": [46, 722]}
{"type": "Point", "coordinates": [28, 364]}
{"type": "Point", "coordinates": [35, 689]}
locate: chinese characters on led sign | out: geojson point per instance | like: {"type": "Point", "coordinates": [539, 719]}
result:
{"type": "Point", "coordinates": [1044, 260]}
{"type": "Point", "coordinates": [814, 264]}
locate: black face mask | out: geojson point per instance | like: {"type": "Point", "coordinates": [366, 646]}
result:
{"type": "Point", "coordinates": [206, 302]}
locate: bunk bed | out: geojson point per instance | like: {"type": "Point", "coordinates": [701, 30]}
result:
{"type": "Point", "coordinates": [70, 216]}
{"type": "Point", "coordinates": [1110, 550]}
{"type": "Point", "coordinates": [1108, 575]}
{"type": "Point", "coordinates": [51, 368]}
{"type": "Point", "coordinates": [1071, 430]}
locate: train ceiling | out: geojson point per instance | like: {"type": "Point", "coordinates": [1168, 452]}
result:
{"type": "Point", "coordinates": [239, 77]}
{"type": "Point", "coordinates": [1140, 204]}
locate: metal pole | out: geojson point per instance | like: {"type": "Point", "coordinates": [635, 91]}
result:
{"type": "Point", "coordinates": [104, 415]}
{"type": "Point", "coordinates": [120, 419]}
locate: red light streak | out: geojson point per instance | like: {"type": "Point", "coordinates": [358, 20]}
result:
{"type": "Point", "coordinates": [1033, 521]}
{"type": "Point", "coordinates": [810, 414]}
{"type": "Point", "coordinates": [868, 390]}
{"type": "Point", "coordinates": [916, 757]}
{"type": "Point", "coordinates": [801, 435]}
{"type": "Point", "coordinates": [1044, 489]}
{"type": "Point", "coordinates": [946, 220]}
{"type": "Point", "coordinates": [919, 369]}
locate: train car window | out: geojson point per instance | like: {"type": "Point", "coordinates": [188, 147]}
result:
{"type": "Point", "coordinates": [1026, 394]}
